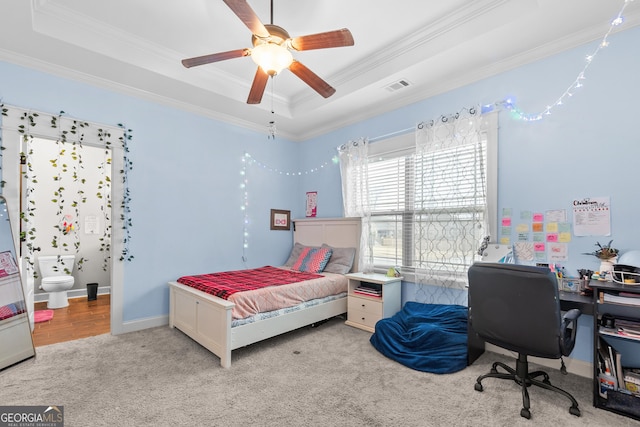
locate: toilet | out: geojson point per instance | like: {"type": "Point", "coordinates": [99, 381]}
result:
{"type": "Point", "coordinates": [56, 278]}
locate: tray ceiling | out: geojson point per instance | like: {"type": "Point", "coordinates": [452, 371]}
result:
{"type": "Point", "coordinates": [404, 51]}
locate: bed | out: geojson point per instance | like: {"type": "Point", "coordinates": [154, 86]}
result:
{"type": "Point", "coordinates": [208, 318]}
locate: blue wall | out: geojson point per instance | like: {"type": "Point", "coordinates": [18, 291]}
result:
{"type": "Point", "coordinates": [185, 185]}
{"type": "Point", "coordinates": [588, 147]}
{"type": "Point", "coordinates": [186, 179]}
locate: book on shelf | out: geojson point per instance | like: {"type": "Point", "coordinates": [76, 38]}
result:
{"type": "Point", "coordinates": [616, 367]}
{"type": "Point", "coordinates": [628, 328]}
{"type": "Point", "coordinates": [623, 328]}
{"type": "Point", "coordinates": [620, 299]}
{"type": "Point", "coordinates": [612, 361]}
{"type": "Point", "coordinates": [363, 290]}
{"type": "Point", "coordinates": [632, 380]}
{"type": "Point", "coordinates": [629, 334]}
{"type": "Point", "coordinates": [605, 378]}
{"type": "Point", "coordinates": [619, 332]}
{"type": "Point", "coordinates": [628, 294]}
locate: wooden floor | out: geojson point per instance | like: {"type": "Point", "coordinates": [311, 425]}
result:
{"type": "Point", "coordinates": [80, 319]}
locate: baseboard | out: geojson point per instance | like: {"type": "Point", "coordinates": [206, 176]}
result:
{"type": "Point", "coordinates": [574, 366]}
{"type": "Point", "coordinates": [71, 293]}
{"type": "Point", "coordinates": [140, 324]}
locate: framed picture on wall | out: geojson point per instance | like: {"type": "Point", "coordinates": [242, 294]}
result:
{"type": "Point", "coordinates": [312, 203]}
{"type": "Point", "coordinates": [280, 219]}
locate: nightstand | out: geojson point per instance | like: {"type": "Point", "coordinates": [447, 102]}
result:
{"type": "Point", "coordinates": [372, 297]}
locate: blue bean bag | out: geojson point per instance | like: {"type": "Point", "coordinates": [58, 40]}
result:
{"type": "Point", "coordinates": [425, 337]}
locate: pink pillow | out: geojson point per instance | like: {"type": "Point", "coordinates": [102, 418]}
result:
{"type": "Point", "coordinates": [312, 260]}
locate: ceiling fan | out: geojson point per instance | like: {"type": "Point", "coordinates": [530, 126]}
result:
{"type": "Point", "coordinates": [271, 51]}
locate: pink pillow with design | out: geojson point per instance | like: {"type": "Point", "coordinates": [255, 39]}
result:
{"type": "Point", "coordinates": [312, 260]}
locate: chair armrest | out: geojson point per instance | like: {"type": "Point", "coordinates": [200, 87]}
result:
{"type": "Point", "coordinates": [571, 315]}
{"type": "Point", "coordinates": [568, 331]}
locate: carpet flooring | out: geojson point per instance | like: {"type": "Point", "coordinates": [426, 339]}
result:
{"type": "Point", "coordinates": [324, 376]}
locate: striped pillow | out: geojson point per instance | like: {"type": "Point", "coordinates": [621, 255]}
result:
{"type": "Point", "coordinates": [312, 260]}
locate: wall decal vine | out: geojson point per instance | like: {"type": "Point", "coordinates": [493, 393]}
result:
{"type": "Point", "coordinates": [68, 162]}
{"type": "Point", "coordinates": [126, 200]}
{"type": "Point", "coordinates": [28, 213]}
{"type": "Point", "coordinates": [104, 192]}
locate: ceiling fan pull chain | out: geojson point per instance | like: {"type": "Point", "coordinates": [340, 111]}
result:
{"type": "Point", "coordinates": [273, 82]}
{"type": "Point", "coordinates": [271, 127]}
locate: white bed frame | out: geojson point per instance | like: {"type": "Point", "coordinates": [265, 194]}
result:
{"type": "Point", "coordinates": [207, 319]}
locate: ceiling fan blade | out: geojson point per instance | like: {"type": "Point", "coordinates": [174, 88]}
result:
{"type": "Point", "coordinates": [312, 79]}
{"type": "Point", "coordinates": [243, 11]}
{"type": "Point", "coordinates": [215, 57]}
{"type": "Point", "coordinates": [337, 38]}
{"type": "Point", "coordinates": [257, 88]}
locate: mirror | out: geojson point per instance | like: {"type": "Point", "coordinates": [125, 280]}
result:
{"type": "Point", "coordinates": [15, 332]}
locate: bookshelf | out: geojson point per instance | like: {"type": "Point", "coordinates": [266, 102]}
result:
{"type": "Point", "coordinates": [616, 348]}
{"type": "Point", "coordinates": [372, 297]}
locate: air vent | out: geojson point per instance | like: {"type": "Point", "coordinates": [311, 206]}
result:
{"type": "Point", "coordinates": [400, 84]}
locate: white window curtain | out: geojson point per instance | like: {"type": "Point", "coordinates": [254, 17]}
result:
{"type": "Point", "coordinates": [428, 198]}
{"type": "Point", "coordinates": [450, 217]}
{"type": "Point", "coordinates": [354, 160]}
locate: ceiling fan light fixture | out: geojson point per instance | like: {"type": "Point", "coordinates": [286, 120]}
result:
{"type": "Point", "coordinates": [271, 51]}
{"type": "Point", "coordinates": [271, 57]}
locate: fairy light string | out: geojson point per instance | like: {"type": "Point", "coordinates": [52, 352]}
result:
{"type": "Point", "coordinates": [510, 105]}
{"type": "Point", "coordinates": [246, 161]}
{"type": "Point", "coordinates": [244, 208]}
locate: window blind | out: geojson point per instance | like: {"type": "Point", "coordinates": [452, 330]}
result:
{"type": "Point", "coordinates": [428, 207]}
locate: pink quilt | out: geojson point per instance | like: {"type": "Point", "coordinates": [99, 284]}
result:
{"type": "Point", "coordinates": [267, 288]}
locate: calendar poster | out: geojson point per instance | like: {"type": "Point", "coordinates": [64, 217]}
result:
{"type": "Point", "coordinates": [592, 216]}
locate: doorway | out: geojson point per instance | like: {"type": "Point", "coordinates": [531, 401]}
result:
{"type": "Point", "coordinates": [18, 124]}
{"type": "Point", "coordinates": [66, 200]}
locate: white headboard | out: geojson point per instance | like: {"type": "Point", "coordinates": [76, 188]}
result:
{"type": "Point", "coordinates": [336, 232]}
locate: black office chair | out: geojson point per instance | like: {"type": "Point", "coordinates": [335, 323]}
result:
{"type": "Point", "coordinates": [517, 307]}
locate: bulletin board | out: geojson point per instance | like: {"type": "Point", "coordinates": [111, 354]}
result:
{"type": "Point", "coordinates": [543, 236]}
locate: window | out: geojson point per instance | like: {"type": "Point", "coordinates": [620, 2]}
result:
{"type": "Point", "coordinates": [430, 205]}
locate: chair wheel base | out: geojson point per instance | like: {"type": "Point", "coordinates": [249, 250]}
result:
{"type": "Point", "coordinates": [525, 379]}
